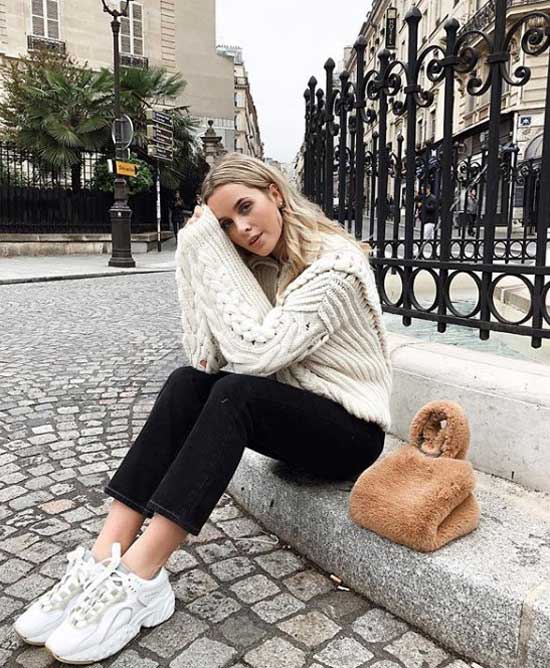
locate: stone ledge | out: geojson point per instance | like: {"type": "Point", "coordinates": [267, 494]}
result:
{"type": "Point", "coordinates": [507, 402]}
{"type": "Point", "coordinates": [61, 237]}
{"type": "Point", "coordinates": [40, 245]}
{"type": "Point", "coordinates": [486, 596]}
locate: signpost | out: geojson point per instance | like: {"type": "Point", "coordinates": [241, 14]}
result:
{"type": "Point", "coordinates": [160, 145]}
{"type": "Point", "coordinates": [122, 133]}
{"type": "Point", "coordinates": [125, 168]}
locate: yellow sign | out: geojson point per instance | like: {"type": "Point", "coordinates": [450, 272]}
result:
{"type": "Point", "coordinates": [125, 168]}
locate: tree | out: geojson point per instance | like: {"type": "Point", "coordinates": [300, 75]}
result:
{"type": "Point", "coordinates": [145, 89]}
{"type": "Point", "coordinates": [55, 109]}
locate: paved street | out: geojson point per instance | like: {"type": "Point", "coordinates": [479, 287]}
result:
{"type": "Point", "coordinates": [81, 362]}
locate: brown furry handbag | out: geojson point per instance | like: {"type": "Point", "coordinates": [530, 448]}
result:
{"type": "Point", "coordinates": [421, 494]}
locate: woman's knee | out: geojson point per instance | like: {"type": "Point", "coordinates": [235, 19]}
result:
{"type": "Point", "coordinates": [184, 379]}
{"type": "Point", "coordinates": [182, 374]}
{"type": "Point", "coordinates": [235, 387]}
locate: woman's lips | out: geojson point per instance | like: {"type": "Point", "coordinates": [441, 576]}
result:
{"type": "Point", "coordinates": [256, 240]}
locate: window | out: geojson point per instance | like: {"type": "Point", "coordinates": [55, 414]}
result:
{"type": "Point", "coordinates": [45, 18]}
{"type": "Point", "coordinates": [437, 13]}
{"type": "Point", "coordinates": [131, 30]}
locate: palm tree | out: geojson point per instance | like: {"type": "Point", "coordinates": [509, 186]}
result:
{"type": "Point", "coordinates": [56, 110]}
{"type": "Point", "coordinates": [143, 89]}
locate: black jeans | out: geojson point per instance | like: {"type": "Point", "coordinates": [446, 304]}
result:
{"type": "Point", "coordinates": [193, 440]}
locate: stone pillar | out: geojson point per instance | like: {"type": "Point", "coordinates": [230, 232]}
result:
{"type": "Point", "coordinates": [213, 147]}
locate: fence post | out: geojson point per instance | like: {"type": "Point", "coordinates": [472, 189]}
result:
{"type": "Point", "coordinates": [542, 258]}
{"type": "Point", "coordinates": [382, 208]}
{"type": "Point", "coordinates": [307, 150]}
{"type": "Point", "coordinates": [329, 145]}
{"type": "Point", "coordinates": [495, 59]}
{"type": "Point", "coordinates": [343, 148]}
{"type": "Point", "coordinates": [448, 186]}
{"type": "Point", "coordinates": [412, 18]}
{"type": "Point", "coordinates": [312, 140]}
{"type": "Point", "coordinates": [373, 183]}
{"type": "Point", "coordinates": [360, 46]}
{"type": "Point", "coordinates": [397, 196]}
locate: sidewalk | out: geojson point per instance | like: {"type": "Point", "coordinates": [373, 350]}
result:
{"type": "Point", "coordinates": [27, 269]}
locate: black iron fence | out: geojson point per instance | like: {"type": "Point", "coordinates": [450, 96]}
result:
{"type": "Point", "coordinates": [35, 198]}
{"type": "Point", "coordinates": [382, 191]}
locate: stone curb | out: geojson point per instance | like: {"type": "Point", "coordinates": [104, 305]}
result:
{"type": "Point", "coordinates": [73, 277]}
{"type": "Point", "coordinates": [486, 596]}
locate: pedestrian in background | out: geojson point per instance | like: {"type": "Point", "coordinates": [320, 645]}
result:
{"type": "Point", "coordinates": [471, 210]}
{"type": "Point", "coordinates": [178, 207]}
{"type": "Point", "coordinates": [428, 214]}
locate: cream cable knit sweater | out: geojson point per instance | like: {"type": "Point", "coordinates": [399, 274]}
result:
{"type": "Point", "coordinates": [324, 333]}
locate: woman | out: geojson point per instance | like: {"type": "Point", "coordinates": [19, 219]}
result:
{"type": "Point", "coordinates": [282, 328]}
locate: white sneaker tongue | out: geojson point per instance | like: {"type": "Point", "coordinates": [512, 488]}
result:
{"type": "Point", "coordinates": [123, 568]}
{"type": "Point", "coordinates": [88, 555]}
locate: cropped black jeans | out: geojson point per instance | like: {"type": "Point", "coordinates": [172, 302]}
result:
{"type": "Point", "coordinates": [193, 440]}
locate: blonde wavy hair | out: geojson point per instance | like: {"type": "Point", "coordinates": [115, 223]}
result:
{"type": "Point", "coordinates": [303, 221]}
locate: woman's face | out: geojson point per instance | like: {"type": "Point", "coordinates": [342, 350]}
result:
{"type": "Point", "coordinates": [244, 213]}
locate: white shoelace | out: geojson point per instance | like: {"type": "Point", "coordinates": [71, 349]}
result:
{"type": "Point", "coordinates": [75, 578]}
{"type": "Point", "coordinates": [104, 590]}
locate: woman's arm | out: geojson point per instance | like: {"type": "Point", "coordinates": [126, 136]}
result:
{"type": "Point", "coordinates": [199, 344]}
{"type": "Point", "coordinates": [253, 336]}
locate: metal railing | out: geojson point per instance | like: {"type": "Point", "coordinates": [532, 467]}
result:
{"type": "Point", "coordinates": [340, 166]}
{"type": "Point", "coordinates": [34, 198]}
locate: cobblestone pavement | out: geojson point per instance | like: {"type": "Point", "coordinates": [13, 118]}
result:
{"type": "Point", "coordinates": [81, 363]}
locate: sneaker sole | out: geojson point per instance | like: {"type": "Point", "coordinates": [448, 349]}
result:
{"type": "Point", "coordinates": [34, 643]}
{"type": "Point", "coordinates": [159, 615]}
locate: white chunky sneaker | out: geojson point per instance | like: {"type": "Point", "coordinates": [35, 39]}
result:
{"type": "Point", "coordinates": [48, 612]}
{"type": "Point", "coordinates": [110, 612]}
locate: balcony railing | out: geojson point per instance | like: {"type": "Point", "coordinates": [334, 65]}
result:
{"type": "Point", "coordinates": [486, 15]}
{"type": "Point", "coordinates": [131, 60]}
{"type": "Point", "coordinates": [36, 42]}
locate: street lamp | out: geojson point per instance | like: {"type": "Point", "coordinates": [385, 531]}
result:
{"type": "Point", "coordinates": [120, 213]}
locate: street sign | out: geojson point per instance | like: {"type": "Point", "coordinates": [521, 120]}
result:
{"type": "Point", "coordinates": [122, 131]}
{"type": "Point", "coordinates": [159, 118]}
{"type": "Point", "coordinates": [125, 168]}
{"type": "Point", "coordinates": [160, 135]}
{"type": "Point", "coordinates": [160, 153]}
{"type": "Point", "coordinates": [525, 121]}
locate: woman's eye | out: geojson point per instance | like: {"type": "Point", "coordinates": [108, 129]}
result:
{"type": "Point", "coordinates": [245, 207]}
{"type": "Point", "coordinates": [225, 225]}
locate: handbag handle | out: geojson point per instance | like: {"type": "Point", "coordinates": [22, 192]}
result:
{"type": "Point", "coordinates": [441, 429]}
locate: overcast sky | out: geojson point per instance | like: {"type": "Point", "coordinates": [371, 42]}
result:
{"type": "Point", "coordinates": [284, 42]}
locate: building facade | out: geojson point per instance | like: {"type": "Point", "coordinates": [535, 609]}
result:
{"type": "Point", "coordinates": [180, 36]}
{"type": "Point", "coordinates": [247, 131]}
{"type": "Point", "coordinates": [523, 107]}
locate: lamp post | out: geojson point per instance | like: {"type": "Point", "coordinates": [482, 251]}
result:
{"type": "Point", "coordinates": [120, 213]}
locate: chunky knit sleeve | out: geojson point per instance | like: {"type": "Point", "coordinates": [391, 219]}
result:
{"type": "Point", "coordinates": [253, 336]}
{"type": "Point", "coordinates": [199, 344]}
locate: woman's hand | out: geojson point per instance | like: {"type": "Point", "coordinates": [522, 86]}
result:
{"type": "Point", "coordinates": [197, 213]}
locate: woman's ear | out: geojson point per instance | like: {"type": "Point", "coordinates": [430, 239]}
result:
{"type": "Point", "coordinates": [274, 192]}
